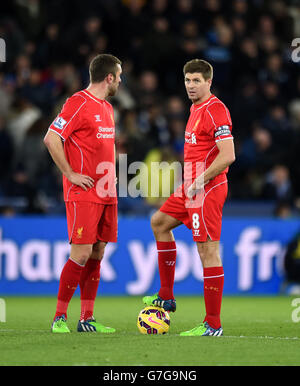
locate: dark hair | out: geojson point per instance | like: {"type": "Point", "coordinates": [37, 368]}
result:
{"type": "Point", "coordinates": [103, 65]}
{"type": "Point", "coordinates": [201, 66]}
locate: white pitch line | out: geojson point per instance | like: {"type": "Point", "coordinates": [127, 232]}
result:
{"type": "Point", "coordinates": [262, 337]}
{"type": "Point", "coordinates": [170, 336]}
{"type": "Point", "coordinates": [13, 330]}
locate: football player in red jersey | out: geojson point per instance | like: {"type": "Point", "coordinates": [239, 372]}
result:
{"type": "Point", "coordinates": [198, 203]}
{"type": "Point", "coordinates": [81, 141]}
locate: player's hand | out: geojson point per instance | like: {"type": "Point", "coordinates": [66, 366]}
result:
{"type": "Point", "coordinates": [81, 180]}
{"type": "Point", "coordinates": [191, 191]}
{"type": "Point", "coordinates": [196, 187]}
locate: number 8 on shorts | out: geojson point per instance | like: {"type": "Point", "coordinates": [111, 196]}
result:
{"type": "Point", "coordinates": [195, 218]}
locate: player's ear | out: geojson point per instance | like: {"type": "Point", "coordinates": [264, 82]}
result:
{"type": "Point", "coordinates": [110, 78]}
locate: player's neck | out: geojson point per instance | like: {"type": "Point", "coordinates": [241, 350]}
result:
{"type": "Point", "coordinates": [97, 90]}
{"type": "Point", "coordinates": [203, 99]}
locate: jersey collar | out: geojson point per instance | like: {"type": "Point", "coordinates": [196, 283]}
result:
{"type": "Point", "coordinates": [199, 105]}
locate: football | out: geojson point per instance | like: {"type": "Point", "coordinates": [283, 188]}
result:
{"type": "Point", "coordinates": [153, 320]}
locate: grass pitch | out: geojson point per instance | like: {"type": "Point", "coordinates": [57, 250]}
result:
{"type": "Point", "coordinates": [258, 331]}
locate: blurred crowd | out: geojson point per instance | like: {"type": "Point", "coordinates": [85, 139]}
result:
{"type": "Point", "coordinates": [48, 49]}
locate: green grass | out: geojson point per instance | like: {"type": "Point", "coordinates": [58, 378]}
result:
{"type": "Point", "coordinates": [257, 331]}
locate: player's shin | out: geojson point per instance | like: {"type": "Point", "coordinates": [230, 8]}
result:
{"type": "Point", "coordinates": [89, 282]}
{"type": "Point", "coordinates": [68, 283]}
{"type": "Point", "coordinates": [166, 264]}
{"type": "Point", "coordinates": [213, 291]}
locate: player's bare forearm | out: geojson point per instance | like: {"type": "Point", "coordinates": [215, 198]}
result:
{"type": "Point", "coordinates": [55, 147]}
{"type": "Point", "coordinates": [225, 158]}
{"type": "Point", "coordinates": [220, 163]}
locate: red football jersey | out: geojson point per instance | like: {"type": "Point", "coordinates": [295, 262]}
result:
{"type": "Point", "coordinates": [209, 122]}
{"type": "Point", "coordinates": [86, 124]}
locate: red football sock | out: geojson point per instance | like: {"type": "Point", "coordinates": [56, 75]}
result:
{"type": "Point", "coordinates": [213, 290]}
{"type": "Point", "coordinates": [68, 283]}
{"type": "Point", "coordinates": [89, 282]}
{"type": "Point", "coordinates": [166, 265]}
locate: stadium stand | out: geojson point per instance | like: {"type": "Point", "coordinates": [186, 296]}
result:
{"type": "Point", "coordinates": [249, 43]}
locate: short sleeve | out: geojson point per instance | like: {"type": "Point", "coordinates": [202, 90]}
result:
{"type": "Point", "coordinates": [218, 122]}
{"type": "Point", "coordinates": [70, 117]}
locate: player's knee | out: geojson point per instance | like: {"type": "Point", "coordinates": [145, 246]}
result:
{"type": "Point", "coordinates": [209, 256]}
{"type": "Point", "coordinates": [157, 223]}
{"type": "Point", "coordinates": [81, 255]}
{"type": "Point", "coordinates": [98, 251]}
{"type": "Point", "coordinates": [210, 259]}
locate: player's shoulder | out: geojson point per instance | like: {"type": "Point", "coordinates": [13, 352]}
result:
{"type": "Point", "coordinates": [79, 96]}
{"type": "Point", "coordinates": [75, 100]}
{"type": "Point", "coordinates": [217, 110]}
{"type": "Point", "coordinates": [216, 105]}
